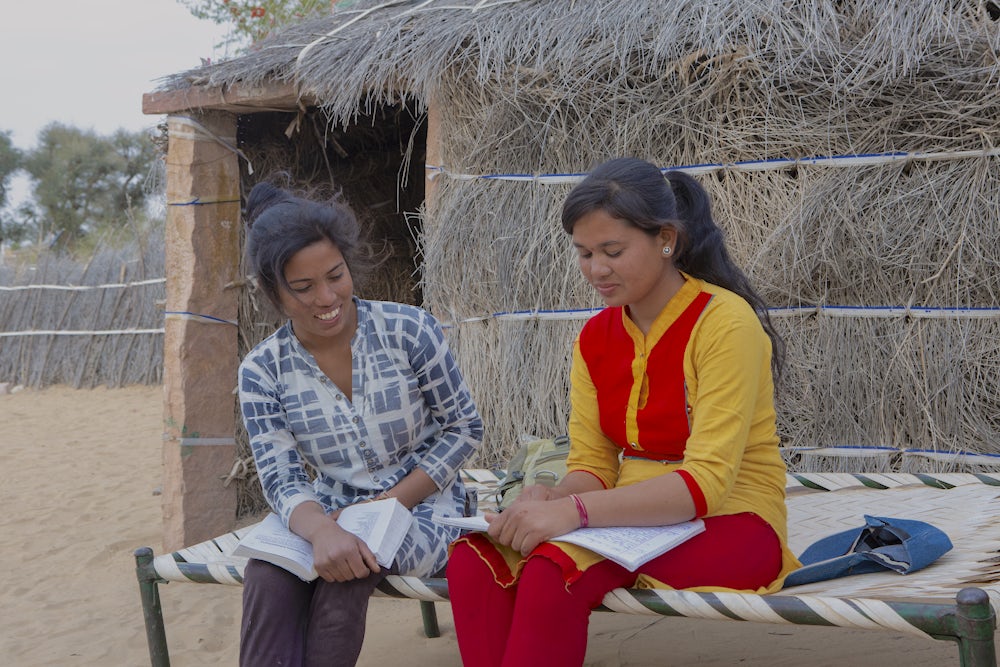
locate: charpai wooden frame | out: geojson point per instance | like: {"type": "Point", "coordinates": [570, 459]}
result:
{"type": "Point", "coordinates": [955, 599]}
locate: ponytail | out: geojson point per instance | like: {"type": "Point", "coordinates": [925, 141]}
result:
{"type": "Point", "coordinates": [702, 253]}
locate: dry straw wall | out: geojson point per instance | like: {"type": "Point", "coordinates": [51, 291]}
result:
{"type": "Point", "coordinates": [884, 269]}
{"type": "Point", "coordinates": [850, 147]}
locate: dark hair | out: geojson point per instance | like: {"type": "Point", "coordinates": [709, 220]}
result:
{"type": "Point", "coordinates": [281, 223]}
{"type": "Point", "coordinates": [637, 192]}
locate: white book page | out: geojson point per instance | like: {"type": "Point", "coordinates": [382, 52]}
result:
{"type": "Point", "coordinates": [271, 535]}
{"type": "Point", "coordinates": [271, 538]}
{"type": "Point", "coordinates": [362, 520]}
{"type": "Point", "coordinates": [629, 546]}
{"type": "Point", "coordinates": [381, 524]}
{"type": "Point", "coordinates": [466, 522]}
{"type": "Point", "coordinates": [290, 545]}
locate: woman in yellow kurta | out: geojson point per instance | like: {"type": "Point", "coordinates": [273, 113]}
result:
{"type": "Point", "coordinates": [672, 418]}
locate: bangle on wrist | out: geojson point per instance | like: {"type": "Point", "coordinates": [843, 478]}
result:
{"type": "Point", "coordinates": [581, 509]}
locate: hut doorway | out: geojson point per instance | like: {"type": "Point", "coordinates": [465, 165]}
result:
{"type": "Point", "coordinates": [376, 163]}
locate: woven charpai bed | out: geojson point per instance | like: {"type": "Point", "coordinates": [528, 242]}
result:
{"type": "Point", "coordinates": [956, 598]}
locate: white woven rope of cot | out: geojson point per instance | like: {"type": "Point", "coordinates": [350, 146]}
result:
{"type": "Point", "coordinates": [855, 602]}
{"type": "Point", "coordinates": [864, 614]}
{"type": "Point", "coordinates": [413, 587]}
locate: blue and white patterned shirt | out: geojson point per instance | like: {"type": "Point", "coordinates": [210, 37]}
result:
{"type": "Point", "coordinates": [410, 408]}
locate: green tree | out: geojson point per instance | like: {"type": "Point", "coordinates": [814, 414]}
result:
{"type": "Point", "coordinates": [10, 162]}
{"type": "Point", "coordinates": [251, 20]}
{"type": "Point", "coordinates": [82, 180]}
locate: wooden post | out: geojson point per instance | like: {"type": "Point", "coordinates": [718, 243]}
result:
{"type": "Point", "coordinates": [200, 356]}
{"type": "Point", "coordinates": [432, 156]}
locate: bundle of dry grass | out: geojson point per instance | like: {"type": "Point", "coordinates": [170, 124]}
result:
{"type": "Point", "coordinates": [893, 253]}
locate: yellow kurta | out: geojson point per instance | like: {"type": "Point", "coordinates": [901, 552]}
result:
{"type": "Point", "coordinates": [732, 452]}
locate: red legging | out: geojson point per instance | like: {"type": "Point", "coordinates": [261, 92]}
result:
{"type": "Point", "coordinates": [542, 621]}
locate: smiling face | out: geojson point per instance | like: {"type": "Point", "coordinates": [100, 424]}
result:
{"type": "Point", "coordinates": [318, 297]}
{"type": "Point", "coordinates": [626, 265]}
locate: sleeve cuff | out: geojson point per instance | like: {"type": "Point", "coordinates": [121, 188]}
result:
{"type": "Point", "coordinates": [700, 504]}
{"type": "Point", "coordinates": [592, 474]}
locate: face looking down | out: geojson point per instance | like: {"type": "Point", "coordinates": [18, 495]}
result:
{"type": "Point", "coordinates": [626, 265]}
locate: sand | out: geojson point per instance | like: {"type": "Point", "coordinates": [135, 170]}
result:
{"type": "Point", "coordinates": [80, 477]}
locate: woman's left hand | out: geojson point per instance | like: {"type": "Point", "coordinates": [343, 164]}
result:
{"type": "Point", "coordinates": [526, 524]}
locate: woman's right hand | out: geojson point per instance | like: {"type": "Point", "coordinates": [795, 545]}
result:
{"type": "Point", "coordinates": [341, 556]}
{"type": "Point", "coordinates": [526, 524]}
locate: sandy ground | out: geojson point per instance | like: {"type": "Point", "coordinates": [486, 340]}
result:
{"type": "Point", "coordinates": [80, 470]}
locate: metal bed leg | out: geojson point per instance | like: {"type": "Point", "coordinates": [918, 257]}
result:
{"type": "Point", "coordinates": [430, 617]}
{"type": "Point", "coordinates": [152, 613]}
{"type": "Point", "coordinates": [976, 625]}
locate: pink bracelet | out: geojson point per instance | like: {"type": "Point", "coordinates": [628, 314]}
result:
{"type": "Point", "coordinates": [581, 509]}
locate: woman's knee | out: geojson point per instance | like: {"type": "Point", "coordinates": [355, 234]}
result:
{"type": "Point", "coordinates": [463, 562]}
{"type": "Point", "coordinates": [266, 585]}
{"type": "Point", "coordinates": [739, 551]}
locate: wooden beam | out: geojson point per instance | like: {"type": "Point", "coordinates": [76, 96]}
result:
{"type": "Point", "coordinates": [271, 96]}
{"type": "Point", "coordinates": [200, 353]}
{"type": "Point", "coordinates": [432, 156]}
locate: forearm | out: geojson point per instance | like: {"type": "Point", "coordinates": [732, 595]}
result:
{"type": "Point", "coordinates": [539, 515]}
{"type": "Point", "coordinates": [452, 451]}
{"type": "Point", "coordinates": [308, 519]}
{"type": "Point", "coordinates": [576, 482]}
{"type": "Point", "coordinates": [413, 488]}
{"type": "Point", "coordinates": [659, 501]}
{"type": "Point", "coordinates": [450, 404]}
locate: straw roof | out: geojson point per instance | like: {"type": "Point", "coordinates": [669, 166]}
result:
{"type": "Point", "coordinates": [817, 63]}
{"type": "Point", "coordinates": [884, 267]}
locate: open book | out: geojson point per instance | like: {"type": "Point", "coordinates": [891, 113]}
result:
{"type": "Point", "coordinates": [381, 524]}
{"type": "Point", "coordinates": [629, 546]}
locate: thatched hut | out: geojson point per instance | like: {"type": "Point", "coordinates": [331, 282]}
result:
{"type": "Point", "coordinates": [850, 147]}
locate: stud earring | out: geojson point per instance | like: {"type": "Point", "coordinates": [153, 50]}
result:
{"type": "Point", "coordinates": [666, 251]}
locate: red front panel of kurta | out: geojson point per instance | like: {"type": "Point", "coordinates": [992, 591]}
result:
{"type": "Point", "coordinates": [609, 353]}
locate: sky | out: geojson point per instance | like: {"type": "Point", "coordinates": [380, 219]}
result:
{"type": "Point", "coordinates": [87, 63]}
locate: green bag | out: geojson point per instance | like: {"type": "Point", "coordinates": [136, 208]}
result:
{"type": "Point", "coordinates": [539, 461]}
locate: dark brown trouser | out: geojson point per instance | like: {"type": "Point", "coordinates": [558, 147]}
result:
{"type": "Point", "coordinates": [288, 622]}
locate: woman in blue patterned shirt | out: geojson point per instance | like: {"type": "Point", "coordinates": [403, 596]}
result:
{"type": "Point", "coordinates": [366, 394]}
